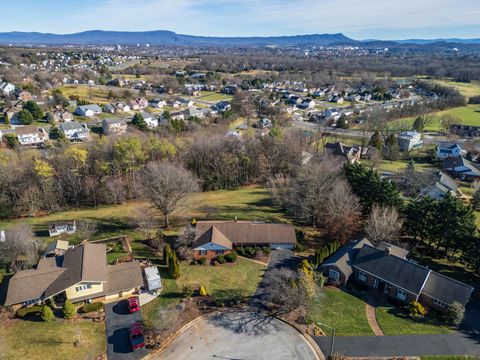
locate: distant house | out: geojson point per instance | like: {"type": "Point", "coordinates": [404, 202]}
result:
{"type": "Point", "coordinates": [109, 108]}
{"type": "Point", "coordinates": [74, 131]}
{"type": "Point", "coordinates": [448, 149]}
{"type": "Point", "coordinates": [114, 126]}
{"type": "Point", "coordinates": [461, 168]}
{"type": "Point", "coordinates": [6, 88]}
{"type": "Point", "coordinates": [142, 102]}
{"type": "Point", "coordinates": [62, 116]}
{"type": "Point", "coordinates": [387, 269]}
{"type": "Point", "coordinates": [30, 136]}
{"type": "Point", "coordinates": [186, 102]}
{"type": "Point", "coordinates": [152, 122]}
{"type": "Point", "coordinates": [409, 140]}
{"type": "Point", "coordinates": [24, 96]}
{"type": "Point", "coordinates": [307, 104]}
{"type": "Point", "coordinates": [264, 123]}
{"type": "Point", "coordinates": [65, 227]}
{"type": "Point", "coordinates": [444, 185]}
{"type": "Point", "coordinates": [121, 107]}
{"type": "Point", "coordinates": [88, 110]}
{"type": "Point", "coordinates": [81, 274]}
{"type": "Point", "coordinates": [213, 238]}
{"type": "Point", "coordinates": [192, 111]}
{"type": "Point", "coordinates": [157, 103]}
{"type": "Point", "coordinates": [11, 113]}
{"type": "Point", "coordinates": [230, 89]}
{"type": "Point", "coordinates": [222, 106]}
{"type": "Point", "coordinates": [117, 82]}
{"type": "Point", "coordinates": [352, 153]}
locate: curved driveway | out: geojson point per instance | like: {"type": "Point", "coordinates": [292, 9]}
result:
{"type": "Point", "coordinates": [239, 335]}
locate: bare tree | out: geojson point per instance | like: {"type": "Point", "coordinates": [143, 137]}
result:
{"type": "Point", "coordinates": [168, 186]}
{"type": "Point", "coordinates": [143, 218]}
{"type": "Point", "coordinates": [19, 250]}
{"type": "Point", "coordinates": [116, 189]}
{"type": "Point", "coordinates": [284, 289]}
{"type": "Point", "coordinates": [86, 229]}
{"type": "Point", "coordinates": [383, 224]}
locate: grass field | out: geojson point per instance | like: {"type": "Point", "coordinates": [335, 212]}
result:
{"type": "Point", "coordinates": [223, 281]}
{"type": "Point", "coordinates": [94, 94]}
{"type": "Point", "coordinates": [466, 89]}
{"type": "Point", "coordinates": [39, 340]}
{"type": "Point", "coordinates": [344, 312]}
{"type": "Point", "coordinates": [392, 321]}
{"type": "Point", "coordinates": [400, 165]}
{"type": "Point", "coordinates": [213, 96]}
{"type": "Point", "coordinates": [466, 115]}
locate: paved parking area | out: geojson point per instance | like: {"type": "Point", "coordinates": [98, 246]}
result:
{"type": "Point", "coordinates": [239, 335]}
{"type": "Point", "coordinates": [118, 321]}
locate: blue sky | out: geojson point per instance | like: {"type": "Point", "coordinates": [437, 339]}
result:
{"type": "Point", "coordinates": [360, 19]}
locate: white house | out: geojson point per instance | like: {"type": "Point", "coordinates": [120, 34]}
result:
{"type": "Point", "coordinates": [88, 110]}
{"type": "Point", "coordinates": [157, 103]}
{"type": "Point", "coordinates": [448, 149]}
{"type": "Point", "coordinates": [67, 227]}
{"type": "Point", "coordinates": [74, 131]}
{"type": "Point", "coordinates": [30, 135]}
{"type": "Point", "coordinates": [408, 140]}
{"type": "Point", "coordinates": [6, 88]}
{"type": "Point", "coordinates": [152, 122]}
{"type": "Point", "coordinates": [114, 126]}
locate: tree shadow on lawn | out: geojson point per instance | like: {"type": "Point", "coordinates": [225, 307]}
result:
{"type": "Point", "coordinates": [4, 288]}
{"type": "Point", "coordinates": [246, 322]}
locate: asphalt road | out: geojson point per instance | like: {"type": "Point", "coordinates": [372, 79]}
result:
{"type": "Point", "coordinates": [118, 322]}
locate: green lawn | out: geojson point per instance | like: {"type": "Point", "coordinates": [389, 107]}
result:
{"type": "Point", "coordinates": [341, 310]}
{"type": "Point", "coordinates": [24, 339]}
{"type": "Point", "coordinates": [213, 96]}
{"type": "Point", "coordinates": [400, 165]}
{"type": "Point", "coordinates": [89, 93]}
{"type": "Point", "coordinates": [393, 321]}
{"type": "Point", "coordinates": [466, 89]}
{"type": "Point", "coordinates": [449, 357]}
{"type": "Point", "coordinates": [223, 281]}
{"type": "Point", "coordinates": [466, 115]}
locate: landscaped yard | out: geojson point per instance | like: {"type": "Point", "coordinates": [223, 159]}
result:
{"type": "Point", "coordinates": [30, 340]}
{"type": "Point", "coordinates": [225, 280]}
{"type": "Point", "coordinates": [393, 321]}
{"type": "Point", "coordinates": [341, 310]}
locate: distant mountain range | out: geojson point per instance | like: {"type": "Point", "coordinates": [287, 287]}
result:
{"type": "Point", "coordinates": [163, 37]}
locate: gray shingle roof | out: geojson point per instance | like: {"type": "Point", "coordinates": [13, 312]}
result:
{"type": "Point", "coordinates": [446, 289]}
{"type": "Point", "coordinates": [344, 257]}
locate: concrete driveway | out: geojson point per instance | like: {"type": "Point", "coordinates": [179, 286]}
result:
{"type": "Point", "coordinates": [118, 321]}
{"type": "Point", "coordinates": [239, 335]}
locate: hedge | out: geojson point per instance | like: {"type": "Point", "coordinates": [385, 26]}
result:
{"type": "Point", "coordinates": [30, 310]}
{"type": "Point", "coordinates": [231, 257]}
{"type": "Point", "coordinates": [92, 307]}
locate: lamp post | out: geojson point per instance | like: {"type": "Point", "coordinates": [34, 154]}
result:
{"type": "Point", "coordinates": [333, 336]}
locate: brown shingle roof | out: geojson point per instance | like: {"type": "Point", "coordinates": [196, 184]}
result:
{"type": "Point", "coordinates": [215, 236]}
{"type": "Point", "coordinates": [250, 233]}
{"type": "Point", "coordinates": [25, 130]}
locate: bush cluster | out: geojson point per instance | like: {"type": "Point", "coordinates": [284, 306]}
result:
{"type": "Point", "coordinates": [96, 306]}
{"type": "Point", "coordinates": [36, 309]}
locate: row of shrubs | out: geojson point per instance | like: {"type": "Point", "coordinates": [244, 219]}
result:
{"type": "Point", "coordinates": [230, 258]}
{"type": "Point", "coordinates": [69, 310]}
{"type": "Point", "coordinates": [251, 252]}
{"type": "Point", "coordinates": [88, 308]}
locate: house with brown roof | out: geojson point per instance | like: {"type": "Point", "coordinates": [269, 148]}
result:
{"type": "Point", "coordinates": [80, 274]}
{"type": "Point", "coordinates": [213, 238]}
{"type": "Point", "coordinates": [387, 269]}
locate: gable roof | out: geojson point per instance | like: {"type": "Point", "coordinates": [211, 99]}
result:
{"type": "Point", "coordinates": [71, 125]}
{"type": "Point", "coordinates": [446, 289]}
{"type": "Point", "coordinates": [397, 271]}
{"type": "Point", "coordinates": [451, 163]}
{"type": "Point", "coordinates": [394, 250]}
{"type": "Point", "coordinates": [344, 257]}
{"type": "Point", "coordinates": [26, 130]}
{"type": "Point", "coordinates": [250, 232]}
{"type": "Point", "coordinates": [213, 235]}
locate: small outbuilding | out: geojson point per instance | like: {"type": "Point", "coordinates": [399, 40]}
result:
{"type": "Point", "coordinates": [154, 281]}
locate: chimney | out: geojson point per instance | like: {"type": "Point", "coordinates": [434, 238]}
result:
{"type": "Point", "coordinates": [388, 251]}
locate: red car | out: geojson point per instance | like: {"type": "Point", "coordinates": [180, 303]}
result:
{"type": "Point", "coordinates": [136, 336]}
{"type": "Point", "coordinates": [133, 305]}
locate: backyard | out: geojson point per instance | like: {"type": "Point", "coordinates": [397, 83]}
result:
{"type": "Point", "coordinates": [22, 339]}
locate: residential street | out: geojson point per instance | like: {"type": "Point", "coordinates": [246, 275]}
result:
{"type": "Point", "coordinates": [464, 342]}
{"type": "Point", "coordinates": [118, 321]}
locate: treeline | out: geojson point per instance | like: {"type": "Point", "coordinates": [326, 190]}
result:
{"type": "Point", "coordinates": [108, 170]}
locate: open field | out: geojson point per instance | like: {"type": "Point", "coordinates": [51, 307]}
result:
{"type": "Point", "coordinates": [466, 115]}
{"type": "Point", "coordinates": [393, 321]}
{"type": "Point", "coordinates": [466, 89]}
{"type": "Point", "coordinates": [94, 94]}
{"type": "Point", "coordinates": [213, 96]}
{"type": "Point", "coordinates": [23, 339]}
{"type": "Point", "coordinates": [344, 312]}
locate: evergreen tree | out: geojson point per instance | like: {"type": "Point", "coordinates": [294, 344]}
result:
{"type": "Point", "coordinates": [376, 140]}
{"type": "Point", "coordinates": [167, 253]}
{"type": "Point", "coordinates": [175, 268]}
{"type": "Point", "coordinates": [25, 117]}
{"type": "Point", "coordinates": [34, 109]}
{"type": "Point", "coordinates": [69, 310]}
{"type": "Point", "coordinates": [418, 124]}
{"type": "Point", "coordinates": [139, 122]}
{"type": "Point", "coordinates": [476, 200]}
{"type": "Point", "coordinates": [47, 314]}
{"type": "Point", "coordinates": [392, 151]}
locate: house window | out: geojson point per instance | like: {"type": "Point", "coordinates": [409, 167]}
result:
{"type": "Point", "coordinates": [334, 275]}
{"type": "Point", "coordinates": [83, 287]}
{"type": "Point", "coordinates": [220, 251]}
{"type": "Point", "coordinates": [375, 283]}
{"type": "Point", "coordinates": [402, 295]}
{"type": "Point", "coordinates": [362, 276]}
{"type": "Point", "coordinates": [440, 303]}
{"type": "Point", "coordinates": [203, 252]}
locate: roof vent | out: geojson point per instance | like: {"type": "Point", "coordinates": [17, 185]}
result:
{"type": "Point", "coordinates": [388, 251]}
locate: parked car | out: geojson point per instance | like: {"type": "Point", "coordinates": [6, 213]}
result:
{"type": "Point", "coordinates": [133, 305]}
{"type": "Point", "coordinates": [136, 336]}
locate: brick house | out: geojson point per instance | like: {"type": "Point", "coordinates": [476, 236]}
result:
{"type": "Point", "coordinates": [214, 238]}
{"type": "Point", "coordinates": [387, 269]}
